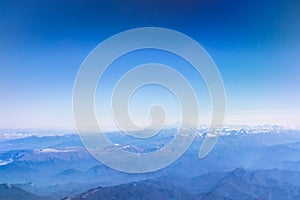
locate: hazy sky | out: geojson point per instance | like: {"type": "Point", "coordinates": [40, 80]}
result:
{"type": "Point", "coordinates": [255, 45]}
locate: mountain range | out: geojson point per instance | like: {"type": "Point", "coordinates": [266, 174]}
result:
{"type": "Point", "coordinates": [239, 184]}
{"type": "Point", "coordinates": [59, 166]}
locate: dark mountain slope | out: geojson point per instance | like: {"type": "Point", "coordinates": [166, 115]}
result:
{"type": "Point", "coordinates": [238, 184]}
{"type": "Point", "coordinates": [132, 191]}
{"type": "Point", "coordinates": [11, 192]}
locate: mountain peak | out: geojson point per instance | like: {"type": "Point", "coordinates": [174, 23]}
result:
{"type": "Point", "coordinates": [240, 171]}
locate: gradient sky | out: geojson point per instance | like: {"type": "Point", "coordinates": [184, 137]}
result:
{"type": "Point", "coordinates": [255, 45]}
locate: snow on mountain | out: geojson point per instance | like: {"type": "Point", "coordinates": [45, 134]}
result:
{"type": "Point", "coordinates": [5, 162]}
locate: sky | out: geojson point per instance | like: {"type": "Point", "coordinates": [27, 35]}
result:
{"type": "Point", "coordinates": [255, 45]}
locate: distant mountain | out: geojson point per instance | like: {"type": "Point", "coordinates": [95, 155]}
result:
{"type": "Point", "coordinates": [18, 174]}
{"type": "Point", "coordinates": [59, 165]}
{"type": "Point", "coordinates": [11, 192]}
{"type": "Point", "coordinates": [36, 142]}
{"type": "Point", "coordinates": [132, 191]}
{"type": "Point", "coordinates": [238, 184]}
{"type": "Point", "coordinates": [241, 184]}
{"type": "Point", "coordinates": [41, 165]}
{"type": "Point", "coordinates": [47, 154]}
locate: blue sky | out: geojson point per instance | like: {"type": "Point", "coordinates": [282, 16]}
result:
{"type": "Point", "coordinates": [255, 45]}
